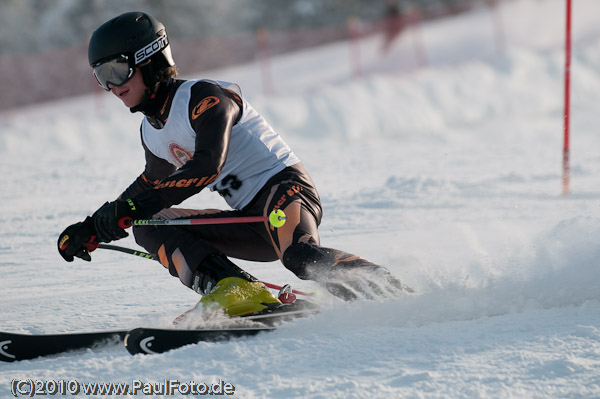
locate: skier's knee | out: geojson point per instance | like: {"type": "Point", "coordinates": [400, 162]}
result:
{"type": "Point", "coordinates": [302, 259]}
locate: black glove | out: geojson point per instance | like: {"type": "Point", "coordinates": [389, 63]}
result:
{"type": "Point", "coordinates": [78, 240]}
{"type": "Point", "coordinates": [106, 219]}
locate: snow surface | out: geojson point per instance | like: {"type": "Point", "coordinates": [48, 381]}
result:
{"type": "Point", "coordinates": [449, 175]}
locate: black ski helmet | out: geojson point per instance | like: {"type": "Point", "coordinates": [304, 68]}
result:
{"type": "Point", "coordinates": [139, 37]}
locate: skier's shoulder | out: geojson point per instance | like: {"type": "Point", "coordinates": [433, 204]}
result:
{"type": "Point", "coordinates": [204, 87]}
{"type": "Point", "coordinates": [207, 94]}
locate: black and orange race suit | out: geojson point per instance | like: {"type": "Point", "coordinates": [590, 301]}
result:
{"type": "Point", "coordinates": [182, 249]}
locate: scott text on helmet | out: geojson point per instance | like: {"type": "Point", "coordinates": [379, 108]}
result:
{"type": "Point", "coordinates": [151, 48]}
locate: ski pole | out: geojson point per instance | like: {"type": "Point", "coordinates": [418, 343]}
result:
{"type": "Point", "coordinates": [147, 255]}
{"type": "Point", "coordinates": [277, 219]}
{"type": "Point", "coordinates": [130, 251]}
{"type": "Point", "coordinates": [279, 287]}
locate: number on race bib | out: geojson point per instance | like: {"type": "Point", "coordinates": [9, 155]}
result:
{"type": "Point", "coordinates": [230, 182]}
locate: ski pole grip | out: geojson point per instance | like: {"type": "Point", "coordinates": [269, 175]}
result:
{"type": "Point", "coordinates": [126, 222]}
{"type": "Point", "coordinates": [92, 244]}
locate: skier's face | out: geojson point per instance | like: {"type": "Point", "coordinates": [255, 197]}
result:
{"type": "Point", "coordinates": [131, 92]}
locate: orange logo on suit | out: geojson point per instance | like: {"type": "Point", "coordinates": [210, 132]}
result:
{"type": "Point", "coordinates": [204, 105]}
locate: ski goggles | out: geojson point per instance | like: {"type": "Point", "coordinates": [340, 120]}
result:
{"type": "Point", "coordinates": [115, 71]}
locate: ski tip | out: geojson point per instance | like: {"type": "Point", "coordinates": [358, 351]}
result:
{"type": "Point", "coordinates": [14, 347]}
{"type": "Point", "coordinates": [133, 342]}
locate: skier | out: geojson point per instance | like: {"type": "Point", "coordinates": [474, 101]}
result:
{"type": "Point", "coordinates": [200, 134]}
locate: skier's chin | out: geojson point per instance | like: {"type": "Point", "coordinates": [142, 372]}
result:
{"type": "Point", "coordinates": [129, 103]}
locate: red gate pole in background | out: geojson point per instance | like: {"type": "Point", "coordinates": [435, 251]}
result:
{"type": "Point", "coordinates": [417, 36]}
{"type": "Point", "coordinates": [262, 39]}
{"type": "Point", "coordinates": [354, 34]}
{"type": "Point", "coordinates": [567, 109]}
{"type": "Point", "coordinates": [498, 25]}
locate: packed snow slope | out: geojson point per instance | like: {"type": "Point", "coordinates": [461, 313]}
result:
{"type": "Point", "coordinates": [450, 175]}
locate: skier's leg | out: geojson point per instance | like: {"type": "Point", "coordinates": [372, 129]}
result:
{"type": "Point", "coordinates": [344, 275]}
{"type": "Point", "coordinates": [297, 245]}
{"type": "Point", "coordinates": [203, 268]}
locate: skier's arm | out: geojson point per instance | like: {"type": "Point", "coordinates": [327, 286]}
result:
{"type": "Point", "coordinates": [213, 111]}
{"type": "Point", "coordinates": [156, 170]}
{"type": "Point", "coordinates": [79, 239]}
